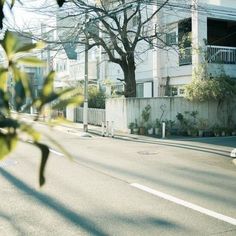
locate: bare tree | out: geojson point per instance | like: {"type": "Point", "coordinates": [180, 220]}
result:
{"type": "Point", "coordinates": [118, 27]}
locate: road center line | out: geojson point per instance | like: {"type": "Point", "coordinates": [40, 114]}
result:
{"type": "Point", "coordinates": [57, 153]}
{"type": "Point", "coordinates": [181, 202]}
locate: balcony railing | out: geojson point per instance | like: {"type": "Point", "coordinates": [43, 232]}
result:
{"type": "Point", "coordinates": [185, 56]}
{"type": "Point", "coordinates": [221, 55]}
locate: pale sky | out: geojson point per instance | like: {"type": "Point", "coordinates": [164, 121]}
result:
{"type": "Point", "coordinates": [31, 13]}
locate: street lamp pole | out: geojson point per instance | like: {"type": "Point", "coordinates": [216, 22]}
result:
{"type": "Point", "coordinates": [85, 110]}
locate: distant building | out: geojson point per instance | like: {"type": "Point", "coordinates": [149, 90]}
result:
{"type": "Point", "coordinates": [35, 74]}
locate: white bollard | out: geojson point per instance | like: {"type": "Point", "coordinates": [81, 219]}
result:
{"type": "Point", "coordinates": [103, 130]}
{"type": "Point", "coordinates": [163, 129]}
{"type": "Point", "coordinates": [112, 129]}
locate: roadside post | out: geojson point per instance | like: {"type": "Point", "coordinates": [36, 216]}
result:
{"type": "Point", "coordinates": [163, 129]}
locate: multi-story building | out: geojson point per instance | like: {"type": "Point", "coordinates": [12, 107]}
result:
{"type": "Point", "coordinates": [201, 33]}
{"type": "Point", "coordinates": [197, 33]}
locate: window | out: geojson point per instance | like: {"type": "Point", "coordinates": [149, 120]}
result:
{"type": "Point", "coordinates": [139, 90]}
{"type": "Point", "coordinates": [174, 91]}
{"type": "Point", "coordinates": [184, 33]}
{"type": "Point", "coordinates": [181, 91]}
{"type": "Point", "coordinates": [185, 56]}
{"type": "Point", "coordinates": [171, 39]}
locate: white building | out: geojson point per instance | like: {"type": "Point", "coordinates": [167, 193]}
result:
{"type": "Point", "coordinates": [196, 32]}
{"type": "Point", "coordinates": [207, 35]}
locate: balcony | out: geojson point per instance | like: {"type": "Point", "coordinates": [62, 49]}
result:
{"type": "Point", "coordinates": [221, 55]}
{"type": "Point", "coordinates": [185, 56]}
{"type": "Point", "coordinates": [215, 54]}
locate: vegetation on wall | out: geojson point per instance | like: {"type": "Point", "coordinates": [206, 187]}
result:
{"type": "Point", "coordinates": [96, 98]}
{"type": "Point", "coordinates": [205, 87]}
{"type": "Point", "coordinates": [208, 89]}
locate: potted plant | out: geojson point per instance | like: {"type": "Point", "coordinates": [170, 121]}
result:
{"type": "Point", "coordinates": [234, 131]}
{"type": "Point", "coordinates": [131, 127]}
{"type": "Point", "coordinates": [169, 127]}
{"type": "Point", "coordinates": [142, 128]}
{"type": "Point", "coordinates": [136, 129]}
{"type": "Point", "coordinates": [202, 125]}
{"type": "Point", "coordinates": [216, 130]}
{"type": "Point", "coordinates": [145, 117]}
{"type": "Point", "coordinates": [150, 129]}
{"type": "Point", "coordinates": [193, 131]}
{"type": "Point", "coordinates": [157, 126]}
{"type": "Point", "coordinates": [183, 124]}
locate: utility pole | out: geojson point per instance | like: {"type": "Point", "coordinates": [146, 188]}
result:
{"type": "Point", "coordinates": [85, 110]}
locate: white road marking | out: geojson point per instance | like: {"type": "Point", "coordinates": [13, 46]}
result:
{"type": "Point", "coordinates": [7, 162]}
{"type": "Point", "coordinates": [57, 153]}
{"type": "Point", "coordinates": [233, 153]}
{"type": "Point", "coordinates": [181, 202]}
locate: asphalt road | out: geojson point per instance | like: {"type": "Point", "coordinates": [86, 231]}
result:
{"type": "Point", "coordinates": [120, 186]}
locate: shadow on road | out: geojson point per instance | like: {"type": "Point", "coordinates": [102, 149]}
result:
{"type": "Point", "coordinates": [176, 181]}
{"type": "Point", "coordinates": [78, 220]}
{"type": "Point", "coordinates": [86, 224]}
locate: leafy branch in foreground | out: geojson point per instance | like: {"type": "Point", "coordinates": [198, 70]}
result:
{"type": "Point", "coordinates": [12, 129]}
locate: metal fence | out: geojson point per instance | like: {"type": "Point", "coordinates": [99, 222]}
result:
{"type": "Point", "coordinates": [225, 55]}
{"type": "Point", "coordinates": [95, 116]}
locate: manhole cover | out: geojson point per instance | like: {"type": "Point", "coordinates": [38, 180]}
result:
{"type": "Point", "coordinates": [147, 153]}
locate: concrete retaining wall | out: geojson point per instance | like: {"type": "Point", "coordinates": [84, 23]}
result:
{"type": "Point", "coordinates": [123, 111]}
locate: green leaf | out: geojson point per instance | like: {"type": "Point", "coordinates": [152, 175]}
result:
{"type": "Point", "coordinates": [21, 76]}
{"type": "Point", "coordinates": [3, 78]}
{"type": "Point", "coordinates": [7, 143]}
{"type": "Point", "coordinates": [19, 96]}
{"type": "Point", "coordinates": [30, 61]}
{"type": "Point", "coordinates": [4, 101]}
{"type": "Point", "coordinates": [29, 47]}
{"type": "Point", "coordinates": [59, 146]}
{"type": "Point", "coordinates": [48, 84]}
{"type": "Point", "coordinates": [9, 123]}
{"type": "Point", "coordinates": [10, 44]}
{"type": "Point", "coordinates": [12, 3]}
{"type": "Point", "coordinates": [45, 154]}
{"type": "Point", "coordinates": [30, 131]}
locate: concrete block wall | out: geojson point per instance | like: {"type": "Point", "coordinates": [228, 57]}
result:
{"type": "Point", "coordinates": [123, 111]}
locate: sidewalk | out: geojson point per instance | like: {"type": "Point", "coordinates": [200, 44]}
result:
{"type": "Point", "coordinates": [186, 142]}
{"type": "Point", "coordinates": [226, 143]}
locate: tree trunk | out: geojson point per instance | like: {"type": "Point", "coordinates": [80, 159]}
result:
{"type": "Point", "coordinates": [128, 68]}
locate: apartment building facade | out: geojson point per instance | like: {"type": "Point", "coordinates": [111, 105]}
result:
{"type": "Point", "coordinates": [197, 33]}
{"type": "Point", "coordinates": [201, 34]}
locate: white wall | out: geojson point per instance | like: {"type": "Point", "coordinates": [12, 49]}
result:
{"type": "Point", "coordinates": [123, 111]}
